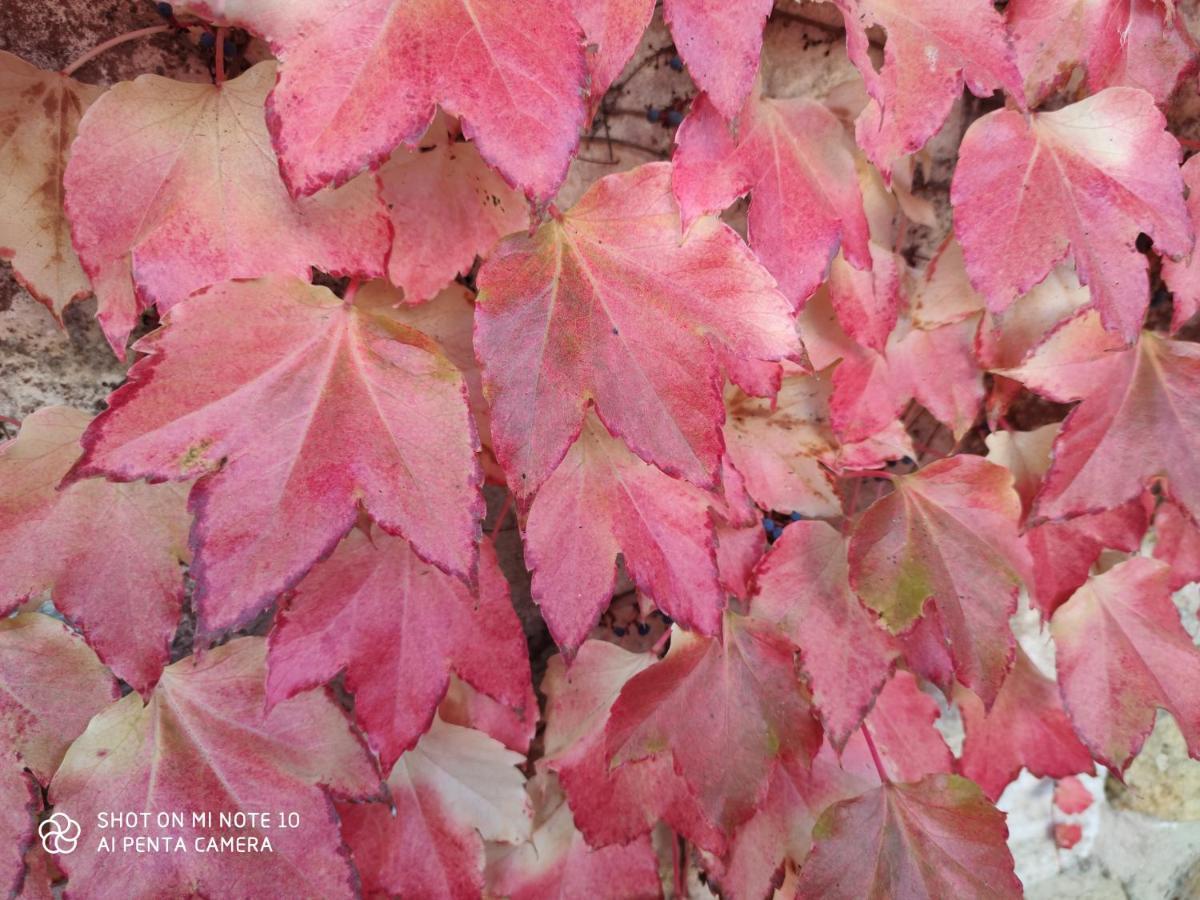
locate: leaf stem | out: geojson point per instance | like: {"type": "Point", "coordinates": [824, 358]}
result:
{"type": "Point", "coordinates": [502, 516]}
{"type": "Point", "coordinates": [874, 754]}
{"type": "Point", "coordinates": [351, 290]}
{"type": "Point", "coordinates": [113, 42]}
{"type": "Point", "coordinates": [219, 63]}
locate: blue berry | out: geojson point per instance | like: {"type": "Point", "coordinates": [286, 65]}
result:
{"type": "Point", "coordinates": [676, 63]}
{"type": "Point", "coordinates": [667, 619]}
{"type": "Point", "coordinates": [653, 114]}
{"type": "Point", "coordinates": [165, 10]}
{"type": "Point", "coordinates": [619, 631]}
{"type": "Point", "coordinates": [796, 517]}
{"type": "Point", "coordinates": [207, 40]}
{"type": "Point", "coordinates": [674, 117]}
{"type": "Point", "coordinates": [230, 47]}
{"type": "Point", "coordinates": [643, 629]}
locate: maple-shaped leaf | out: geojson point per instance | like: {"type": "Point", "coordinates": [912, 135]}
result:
{"type": "Point", "coordinates": [611, 806]}
{"type": "Point", "coordinates": [947, 534]}
{"type": "Point", "coordinates": [936, 838]}
{"type": "Point", "coordinates": [742, 692]}
{"type": "Point", "coordinates": [1083, 180]}
{"type": "Point", "coordinates": [1183, 276]}
{"type": "Point", "coordinates": [356, 79]}
{"type": "Point", "coordinates": [796, 161]}
{"type": "Point", "coordinates": [802, 585]}
{"type": "Point", "coordinates": [932, 50]}
{"type": "Point", "coordinates": [557, 862]}
{"type": "Point", "coordinates": [1062, 552]}
{"type": "Point", "coordinates": [446, 207]}
{"type": "Point", "coordinates": [1026, 727]}
{"type": "Point", "coordinates": [52, 684]}
{"type": "Point", "coordinates": [902, 730]}
{"type": "Point", "coordinates": [172, 186]}
{"type": "Point", "coordinates": [39, 115]}
{"type": "Point", "coordinates": [1177, 543]}
{"type": "Point", "coordinates": [720, 43]}
{"type": "Point", "coordinates": [1121, 652]}
{"type": "Point", "coordinates": [613, 29]}
{"type": "Point", "coordinates": [778, 446]}
{"type": "Point", "coordinates": [204, 742]}
{"type": "Point", "coordinates": [297, 407]}
{"type": "Point", "coordinates": [598, 308]}
{"type": "Point", "coordinates": [1006, 338]}
{"type": "Point", "coordinates": [603, 501]}
{"type": "Point", "coordinates": [119, 584]}
{"type": "Point", "coordinates": [1131, 426]}
{"type": "Point", "coordinates": [455, 789]}
{"type": "Point", "coordinates": [1117, 42]}
{"type": "Point", "coordinates": [397, 627]}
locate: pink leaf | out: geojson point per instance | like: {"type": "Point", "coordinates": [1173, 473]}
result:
{"type": "Point", "coordinates": [258, 384]}
{"type": "Point", "coordinates": [455, 789]}
{"type": "Point", "coordinates": [446, 207]}
{"type": "Point", "coordinates": [204, 742]}
{"type": "Point", "coordinates": [169, 189]}
{"type": "Point", "coordinates": [745, 696]}
{"type": "Point", "coordinates": [803, 587]}
{"type": "Point", "coordinates": [356, 79]}
{"type": "Point", "coordinates": [720, 42]}
{"type": "Point", "coordinates": [1071, 796]}
{"type": "Point", "coordinates": [1183, 276]}
{"type": "Point", "coordinates": [598, 309]}
{"type": "Point", "coordinates": [1026, 727]}
{"type": "Point", "coordinates": [120, 584]}
{"type": "Point", "coordinates": [947, 534]}
{"type": "Point", "coordinates": [614, 28]}
{"type": "Point", "coordinates": [603, 501]}
{"type": "Point", "coordinates": [796, 160]}
{"type": "Point", "coordinates": [932, 50]}
{"type": "Point", "coordinates": [1122, 651]}
{"type": "Point", "coordinates": [397, 627]}
{"type": "Point", "coordinates": [1083, 180]}
{"type": "Point", "coordinates": [1177, 543]}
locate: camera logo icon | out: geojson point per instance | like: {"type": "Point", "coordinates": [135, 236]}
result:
{"type": "Point", "coordinates": [59, 834]}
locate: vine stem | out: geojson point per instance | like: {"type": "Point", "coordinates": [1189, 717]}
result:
{"type": "Point", "coordinates": [874, 755]}
{"type": "Point", "coordinates": [351, 288]}
{"type": "Point", "coordinates": [113, 42]}
{"type": "Point", "coordinates": [502, 516]}
{"type": "Point", "coordinates": [219, 64]}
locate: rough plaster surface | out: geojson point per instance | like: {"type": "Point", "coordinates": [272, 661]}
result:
{"type": "Point", "coordinates": [1141, 840]}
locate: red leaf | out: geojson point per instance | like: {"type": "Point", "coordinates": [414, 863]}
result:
{"type": "Point", "coordinates": [598, 309]}
{"type": "Point", "coordinates": [614, 28]}
{"type": "Point", "coordinates": [743, 695]}
{"type": "Point", "coordinates": [947, 534]}
{"type": "Point", "coordinates": [1027, 727]}
{"type": "Point", "coordinates": [120, 584]}
{"type": "Point", "coordinates": [20, 802]}
{"type": "Point", "coordinates": [41, 111]}
{"type": "Point", "coordinates": [720, 42]}
{"type": "Point", "coordinates": [1183, 276]}
{"type": "Point", "coordinates": [1177, 543]}
{"type": "Point", "coordinates": [1085, 180]}
{"type": "Point", "coordinates": [356, 79]}
{"type": "Point", "coordinates": [1067, 834]}
{"type": "Point", "coordinates": [169, 189]}
{"type": "Point", "coordinates": [1117, 42]}
{"type": "Point", "coordinates": [778, 446]}
{"type": "Point", "coordinates": [451, 792]}
{"type": "Point", "coordinates": [796, 160]}
{"type": "Point", "coordinates": [1130, 427]}
{"type": "Point", "coordinates": [902, 727]}
{"type": "Point", "coordinates": [204, 743]}
{"type": "Point", "coordinates": [936, 838]}
{"type": "Point", "coordinates": [803, 587]}
{"type": "Point", "coordinates": [611, 806]}
{"type": "Point", "coordinates": [446, 207]}
{"type": "Point", "coordinates": [397, 627]}
{"type": "Point", "coordinates": [558, 863]}
{"type": "Point", "coordinates": [603, 501]}
{"type": "Point", "coordinates": [1071, 796]}
{"type": "Point", "coordinates": [932, 50]}
{"type": "Point", "coordinates": [258, 385]}
{"type": "Point", "coordinates": [1122, 651]}
{"type": "Point", "coordinates": [514, 728]}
